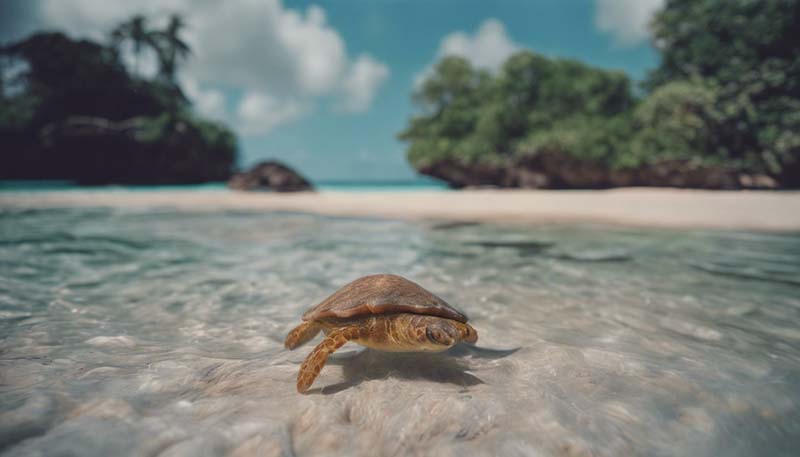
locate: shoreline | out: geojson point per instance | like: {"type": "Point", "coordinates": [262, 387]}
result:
{"type": "Point", "coordinates": [639, 207]}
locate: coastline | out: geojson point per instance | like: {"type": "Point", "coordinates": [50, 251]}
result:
{"type": "Point", "coordinates": [640, 207]}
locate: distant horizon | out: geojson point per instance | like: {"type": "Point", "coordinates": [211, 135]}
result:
{"type": "Point", "coordinates": [417, 180]}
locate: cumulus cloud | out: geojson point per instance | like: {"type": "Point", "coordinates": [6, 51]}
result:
{"type": "Point", "coordinates": [279, 58]}
{"type": "Point", "coordinates": [487, 49]}
{"type": "Point", "coordinates": [262, 46]}
{"type": "Point", "coordinates": [261, 112]}
{"type": "Point", "coordinates": [626, 20]}
{"type": "Point", "coordinates": [362, 81]}
{"type": "Point", "coordinates": [209, 102]}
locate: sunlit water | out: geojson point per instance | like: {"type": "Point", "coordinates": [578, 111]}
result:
{"type": "Point", "coordinates": [160, 333]}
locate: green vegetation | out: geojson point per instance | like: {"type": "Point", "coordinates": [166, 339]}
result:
{"type": "Point", "coordinates": [71, 110]}
{"type": "Point", "coordinates": [747, 54]}
{"type": "Point", "coordinates": [722, 110]}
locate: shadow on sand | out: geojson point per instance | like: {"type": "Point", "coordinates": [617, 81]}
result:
{"type": "Point", "coordinates": [448, 367]}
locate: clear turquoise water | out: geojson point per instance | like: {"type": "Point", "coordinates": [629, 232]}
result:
{"type": "Point", "coordinates": [159, 332]}
{"type": "Point", "coordinates": [421, 184]}
{"type": "Point", "coordinates": [417, 186]}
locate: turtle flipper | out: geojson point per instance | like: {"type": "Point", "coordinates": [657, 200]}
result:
{"type": "Point", "coordinates": [301, 334]}
{"type": "Point", "coordinates": [313, 364]}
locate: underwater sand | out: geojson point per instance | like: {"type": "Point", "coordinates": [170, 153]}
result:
{"type": "Point", "coordinates": [147, 331]}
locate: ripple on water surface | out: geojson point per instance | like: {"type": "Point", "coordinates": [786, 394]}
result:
{"type": "Point", "coordinates": [160, 332]}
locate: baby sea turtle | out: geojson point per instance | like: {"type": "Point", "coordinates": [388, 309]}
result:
{"type": "Point", "coordinates": [384, 312]}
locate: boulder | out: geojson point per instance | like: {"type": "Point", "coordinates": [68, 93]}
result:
{"type": "Point", "coordinates": [270, 175]}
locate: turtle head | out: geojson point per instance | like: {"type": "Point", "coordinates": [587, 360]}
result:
{"type": "Point", "coordinates": [441, 333]}
{"type": "Point", "coordinates": [444, 333]}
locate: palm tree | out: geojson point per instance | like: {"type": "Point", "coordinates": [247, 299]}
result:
{"type": "Point", "coordinates": [136, 31]}
{"type": "Point", "coordinates": [171, 48]}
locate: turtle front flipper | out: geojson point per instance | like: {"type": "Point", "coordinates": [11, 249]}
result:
{"type": "Point", "coordinates": [313, 364]}
{"type": "Point", "coordinates": [302, 334]}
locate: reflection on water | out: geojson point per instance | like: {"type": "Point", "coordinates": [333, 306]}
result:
{"type": "Point", "coordinates": [160, 333]}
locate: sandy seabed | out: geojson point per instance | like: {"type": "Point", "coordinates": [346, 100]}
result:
{"type": "Point", "coordinates": [151, 323]}
{"type": "Point", "coordinates": [644, 207]}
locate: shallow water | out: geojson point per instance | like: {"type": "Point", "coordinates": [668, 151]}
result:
{"type": "Point", "coordinates": [160, 333]}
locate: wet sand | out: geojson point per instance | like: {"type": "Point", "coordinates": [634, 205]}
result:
{"type": "Point", "coordinates": [644, 207]}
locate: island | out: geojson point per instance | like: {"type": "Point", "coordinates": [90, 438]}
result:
{"type": "Point", "coordinates": [72, 110]}
{"type": "Point", "coordinates": [719, 112]}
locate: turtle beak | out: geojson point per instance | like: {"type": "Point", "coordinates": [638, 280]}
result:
{"type": "Point", "coordinates": [468, 334]}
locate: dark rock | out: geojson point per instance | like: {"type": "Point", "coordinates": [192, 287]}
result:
{"type": "Point", "coordinates": [558, 171]}
{"type": "Point", "coordinates": [459, 175]}
{"type": "Point", "coordinates": [531, 179]}
{"type": "Point", "coordinates": [270, 175]}
{"type": "Point", "coordinates": [757, 181]}
{"type": "Point", "coordinates": [561, 171]}
{"type": "Point", "coordinates": [137, 151]}
{"type": "Point", "coordinates": [87, 126]}
{"type": "Point", "coordinates": [790, 175]}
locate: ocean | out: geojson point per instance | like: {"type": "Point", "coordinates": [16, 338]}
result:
{"type": "Point", "coordinates": [160, 332]}
{"type": "Point", "coordinates": [419, 184]}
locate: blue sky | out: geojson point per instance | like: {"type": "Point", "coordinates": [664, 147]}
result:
{"type": "Point", "coordinates": [325, 86]}
{"type": "Point", "coordinates": [406, 35]}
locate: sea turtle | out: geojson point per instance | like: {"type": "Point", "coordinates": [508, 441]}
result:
{"type": "Point", "coordinates": [385, 312]}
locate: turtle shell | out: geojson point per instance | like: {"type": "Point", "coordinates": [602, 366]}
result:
{"type": "Point", "coordinates": [382, 294]}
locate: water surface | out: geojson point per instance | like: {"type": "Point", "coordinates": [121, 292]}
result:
{"type": "Point", "coordinates": [419, 184]}
{"type": "Point", "coordinates": [158, 332]}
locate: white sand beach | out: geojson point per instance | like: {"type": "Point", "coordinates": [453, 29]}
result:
{"type": "Point", "coordinates": [645, 207]}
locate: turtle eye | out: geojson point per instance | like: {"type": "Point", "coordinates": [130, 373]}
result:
{"type": "Point", "coordinates": [429, 334]}
{"type": "Point", "coordinates": [438, 336]}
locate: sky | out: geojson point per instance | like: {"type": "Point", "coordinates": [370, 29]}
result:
{"type": "Point", "coordinates": [325, 86]}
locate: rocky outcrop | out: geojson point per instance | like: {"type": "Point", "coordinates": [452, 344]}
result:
{"type": "Point", "coordinates": [459, 175]}
{"type": "Point", "coordinates": [137, 151]}
{"type": "Point", "coordinates": [270, 175]}
{"type": "Point", "coordinates": [552, 171]}
{"type": "Point", "coordinates": [87, 126]}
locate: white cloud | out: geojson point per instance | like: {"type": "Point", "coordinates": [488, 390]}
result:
{"type": "Point", "coordinates": [209, 102]}
{"type": "Point", "coordinates": [261, 46]}
{"type": "Point", "coordinates": [277, 56]}
{"type": "Point", "coordinates": [361, 83]}
{"type": "Point", "coordinates": [260, 113]}
{"type": "Point", "coordinates": [627, 21]}
{"type": "Point", "coordinates": [487, 49]}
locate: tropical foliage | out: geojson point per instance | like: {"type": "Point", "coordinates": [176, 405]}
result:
{"type": "Point", "coordinates": [725, 99]}
{"type": "Point", "coordinates": [74, 111]}
{"type": "Point", "coordinates": [747, 54]}
{"type": "Point", "coordinates": [169, 46]}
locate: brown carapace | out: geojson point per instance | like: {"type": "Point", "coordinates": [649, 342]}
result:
{"type": "Point", "coordinates": [384, 312]}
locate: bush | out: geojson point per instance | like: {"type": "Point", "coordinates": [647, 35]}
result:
{"type": "Point", "coordinates": [747, 53]}
{"type": "Point", "coordinates": [473, 118]}
{"type": "Point", "coordinates": [678, 121]}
